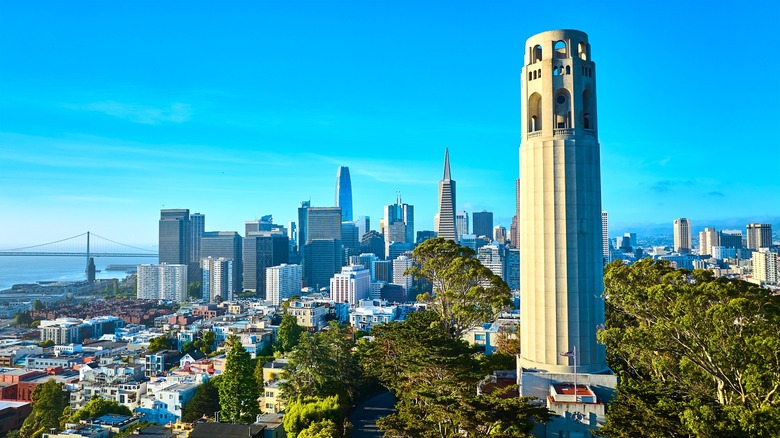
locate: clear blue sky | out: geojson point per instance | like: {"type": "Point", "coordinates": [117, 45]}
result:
{"type": "Point", "coordinates": [110, 111]}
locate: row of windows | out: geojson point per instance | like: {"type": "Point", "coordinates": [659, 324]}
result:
{"type": "Point", "coordinates": [559, 71]}
{"type": "Point", "coordinates": [560, 51]}
{"type": "Point", "coordinates": [587, 71]}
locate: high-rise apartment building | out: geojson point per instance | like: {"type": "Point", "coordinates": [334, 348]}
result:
{"type": "Point", "coordinates": [198, 227]}
{"type": "Point", "coordinates": [175, 236]}
{"type": "Point", "coordinates": [512, 270]}
{"type": "Point", "coordinates": [382, 270]}
{"type": "Point", "coordinates": [462, 223]}
{"type": "Point", "coordinates": [262, 249]}
{"type": "Point", "coordinates": [162, 282]}
{"type": "Point", "coordinates": [364, 225]}
{"type": "Point", "coordinates": [759, 236]}
{"type": "Point", "coordinates": [282, 282]}
{"type": "Point", "coordinates": [351, 285]}
{"type": "Point", "coordinates": [446, 223]}
{"type": "Point", "coordinates": [398, 224]}
{"type": "Point", "coordinates": [707, 239]}
{"type": "Point", "coordinates": [514, 232]}
{"type": "Point", "coordinates": [499, 234]}
{"type": "Point", "coordinates": [373, 242]}
{"type": "Point", "coordinates": [482, 224]}
{"type": "Point", "coordinates": [561, 246]}
{"type": "Point", "coordinates": [344, 193]}
{"type": "Point", "coordinates": [492, 257]}
{"type": "Point", "coordinates": [217, 282]}
{"type": "Point", "coordinates": [682, 236]}
{"type": "Point", "coordinates": [400, 265]}
{"type": "Point", "coordinates": [350, 238]}
{"type": "Point", "coordinates": [323, 253]}
{"type": "Point", "coordinates": [228, 245]}
{"type": "Point", "coordinates": [731, 238]}
{"type": "Point", "coordinates": [765, 266]}
{"type": "Point", "coordinates": [303, 215]}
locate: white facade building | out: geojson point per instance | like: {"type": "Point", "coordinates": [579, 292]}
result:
{"type": "Point", "coordinates": [282, 282]}
{"type": "Point", "coordinates": [351, 285]}
{"type": "Point", "coordinates": [217, 279]}
{"type": "Point", "coordinates": [765, 266]}
{"type": "Point", "coordinates": [400, 265]}
{"type": "Point", "coordinates": [492, 258]}
{"type": "Point", "coordinates": [162, 282]}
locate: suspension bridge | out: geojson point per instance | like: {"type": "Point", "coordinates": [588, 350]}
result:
{"type": "Point", "coordinates": [84, 245]}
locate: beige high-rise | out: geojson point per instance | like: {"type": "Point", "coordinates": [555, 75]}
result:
{"type": "Point", "coordinates": [561, 261]}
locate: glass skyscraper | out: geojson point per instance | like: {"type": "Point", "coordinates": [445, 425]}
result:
{"type": "Point", "coordinates": [344, 193]}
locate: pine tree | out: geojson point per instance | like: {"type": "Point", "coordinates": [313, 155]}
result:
{"type": "Point", "coordinates": [238, 390]}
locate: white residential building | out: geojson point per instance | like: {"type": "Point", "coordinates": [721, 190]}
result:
{"type": "Point", "coordinates": [369, 313]}
{"type": "Point", "coordinates": [765, 266]}
{"type": "Point", "coordinates": [400, 265]}
{"type": "Point", "coordinates": [162, 282]}
{"type": "Point", "coordinates": [491, 257]}
{"type": "Point", "coordinates": [165, 400]}
{"type": "Point", "coordinates": [351, 285]}
{"type": "Point", "coordinates": [217, 279]}
{"type": "Point", "coordinates": [282, 282]}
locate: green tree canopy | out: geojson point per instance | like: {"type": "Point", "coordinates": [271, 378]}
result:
{"type": "Point", "coordinates": [205, 402]}
{"type": "Point", "coordinates": [97, 407]}
{"type": "Point", "coordinates": [50, 405]}
{"type": "Point", "coordinates": [158, 344]}
{"type": "Point", "coordinates": [23, 319]}
{"type": "Point", "coordinates": [289, 333]}
{"type": "Point", "coordinates": [313, 415]}
{"type": "Point", "coordinates": [38, 305]}
{"type": "Point", "coordinates": [238, 390]}
{"type": "Point", "coordinates": [434, 377]}
{"type": "Point", "coordinates": [696, 355]}
{"type": "Point", "coordinates": [465, 293]}
{"type": "Point", "coordinates": [324, 364]}
{"type": "Point", "coordinates": [321, 429]}
{"type": "Point", "coordinates": [194, 290]}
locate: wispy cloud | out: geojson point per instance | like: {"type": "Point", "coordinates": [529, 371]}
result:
{"type": "Point", "coordinates": [384, 171]}
{"type": "Point", "coordinates": [143, 114]}
{"type": "Point", "coordinates": [668, 185]}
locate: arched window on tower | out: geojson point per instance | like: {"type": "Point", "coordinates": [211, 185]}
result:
{"type": "Point", "coordinates": [535, 112]}
{"type": "Point", "coordinates": [568, 70]}
{"type": "Point", "coordinates": [536, 54]}
{"type": "Point", "coordinates": [560, 50]}
{"type": "Point", "coordinates": [582, 51]}
{"type": "Point", "coordinates": [562, 109]}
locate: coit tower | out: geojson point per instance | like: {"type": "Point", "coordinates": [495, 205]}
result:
{"type": "Point", "coordinates": [561, 268]}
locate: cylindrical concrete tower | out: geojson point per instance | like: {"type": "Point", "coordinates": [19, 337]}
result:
{"type": "Point", "coordinates": [561, 263]}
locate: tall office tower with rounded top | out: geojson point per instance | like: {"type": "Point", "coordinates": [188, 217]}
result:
{"type": "Point", "coordinates": [344, 193]}
{"type": "Point", "coordinates": [560, 228]}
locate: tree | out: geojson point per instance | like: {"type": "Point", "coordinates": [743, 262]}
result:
{"type": "Point", "coordinates": [46, 344]}
{"type": "Point", "coordinates": [307, 412]}
{"type": "Point", "coordinates": [238, 390]}
{"type": "Point", "coordinates": [96, 408]}
{"type": "Point", "coordinates": [50, 404]}
{"type": "Point", "coordinates": [289, 333]}
{"type": "Point", "coordinates": [434, 378]}
{"type": "Point", "coordinates": [205, 402]}
{"type": "Point", "coordinates": [209, 337]}
{"type": "Point", "coordinates": [23, 319]}
{"type": "Point", "coordinates": [158, 344]}
{"type": "Point", "coordinates": [130, 431]}
{"type": "Point", "coordinates": [324, 364]}
{"type": "Point", "coordinates": [38, 305]}
{"type": "Point", "coordinates": [696, 355]}
{"type": "Point", "coordinates": [508, 340]}
{"type": "Point", "coordinates": [465, 293]}
{"type": "Point", "coordinates": [321, 429]}
{"type": "Point", "coordinates": [194, 290]}
{"type": "Point", "coordinates": [188, 347]}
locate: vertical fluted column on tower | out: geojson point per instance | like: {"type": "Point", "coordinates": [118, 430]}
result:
{"type": "Point", "coordinates": [559, 211]}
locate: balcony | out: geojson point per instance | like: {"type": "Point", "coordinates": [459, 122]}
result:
{"type": "Point", "coordinates": [534, 134]}
{"type": "Point", "coordinates": [563, 131]}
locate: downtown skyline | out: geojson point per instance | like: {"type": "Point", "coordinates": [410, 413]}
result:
{"type": "Point", "coordinates": [114, 112]}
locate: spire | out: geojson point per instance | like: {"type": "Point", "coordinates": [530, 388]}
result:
{"type": "Point", "coordinates": [446, 164]}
